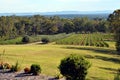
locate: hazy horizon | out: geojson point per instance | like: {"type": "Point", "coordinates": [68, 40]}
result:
{"type": "Point", "coordinates": [25, 6]}
{"type": "Point", "coordinates": [106, 11]}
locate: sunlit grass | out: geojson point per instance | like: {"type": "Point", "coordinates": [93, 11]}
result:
{"type": "Point", "coordinates": [49, 56]}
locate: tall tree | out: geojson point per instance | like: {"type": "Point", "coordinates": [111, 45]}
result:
{"type": "Point", "coordinates": [114, 20]}
{"type": "Point", "coordinates": [68, 26]}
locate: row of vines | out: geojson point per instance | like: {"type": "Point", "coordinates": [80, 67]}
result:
{"type": "Point", "coordinates": [97, 40]}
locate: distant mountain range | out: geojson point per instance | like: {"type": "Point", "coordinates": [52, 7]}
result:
{"type": "Point", "coordinates": [57, 13]}
{"type": "Point", "coordinates": [77, 12]}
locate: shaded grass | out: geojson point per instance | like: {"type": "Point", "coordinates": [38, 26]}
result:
{"type": "Point", "coordinates": [115, 60]}
{"type": "Point", "coordinates": [98, 50]}
{"type": "Point", "coordinates": [49, 56]}
{"type": "Point", "coordinates": [107, 68]}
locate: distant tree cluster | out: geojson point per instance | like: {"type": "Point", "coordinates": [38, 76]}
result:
{"type": "Point", "coordinates": [13, 26]}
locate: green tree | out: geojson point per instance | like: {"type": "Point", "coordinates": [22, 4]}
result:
{"type": "Point", "coordinates": [74, 67]}
{"type": "Point", "coordinates": [114, 20]}
{"type": "Point", "coordinates": [53, 29]}
{"type": "Point", "coordinates": [69, 26]}
{"type": "Point", "coordinates": [26, 39]}
{"type": "Point", "coordinates": [14, 26]}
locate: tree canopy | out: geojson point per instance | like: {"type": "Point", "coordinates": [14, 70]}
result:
{"type": "Point", "coordinates": [114, 20]}
{"type": "Point", "coordinates": [13, 26]}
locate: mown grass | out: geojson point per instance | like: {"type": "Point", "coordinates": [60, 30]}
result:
{"type": "Point", "coordinates": [104, 61]}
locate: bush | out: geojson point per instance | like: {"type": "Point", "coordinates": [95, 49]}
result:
{"type": "Point", "coordinates": [74, 67]}
{"type": "Point", "coordinates": [1, 65]}
{"type": "Point", "coordinates": [86, 44]}
{"type": "Point", "coordinates": [7, 66]}
{"type": "Point", "coordinates": [45, 40]}
{"type": "Point", "coordinates": [26, 39]}
{"type": "Point", "coordinates": [15, 67]}
{"type": "Point", "coordinates": [27, 70]}
{"type": "Point", "coordinates": [35, 69]}
{"type": "Point", "coordinates": [4, 65]}
{"type": "Point", "coordinates": [117, 76]}
{"type": "Point", "coordinates": [118, 46]}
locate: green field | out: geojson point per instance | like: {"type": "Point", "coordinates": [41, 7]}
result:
{"type": "Point", "coordinates": [95, 39]}
{"type": "Point", "coordinates": [104, 60]}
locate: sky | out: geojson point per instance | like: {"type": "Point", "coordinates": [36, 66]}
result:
{"type": "Point", "coordinates": [17, 6]}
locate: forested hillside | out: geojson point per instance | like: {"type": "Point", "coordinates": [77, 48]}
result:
{"type": "Point", "coordinates": [14, 26]}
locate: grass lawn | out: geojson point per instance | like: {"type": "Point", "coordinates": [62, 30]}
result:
{"type": "Point", "coordinates": [104, 60]}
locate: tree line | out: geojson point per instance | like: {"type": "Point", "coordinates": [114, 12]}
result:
{"type": "Point", "coordinates": [13, 26]}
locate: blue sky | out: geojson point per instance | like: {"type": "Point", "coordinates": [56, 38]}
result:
{"type": "Point", "coordinates": [57, 5]}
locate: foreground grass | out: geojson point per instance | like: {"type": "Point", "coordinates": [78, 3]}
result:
{"type": "Point", "coordinates": [104, 60]}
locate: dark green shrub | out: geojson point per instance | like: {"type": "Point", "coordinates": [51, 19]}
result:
{"type": "Point", "coordinates": [118, 46]}
{"type": "Point", "coordinates": [45, 40]}
{"type": "Point", "coordinates": [91, 44]}
{"type": "Point", "coordinates": [117, 76]}
{"type": "Point", "coordinates": [26, 39]}
{"type": "Point", "coordinates": [15, 67]}
{"type": "Point", "coordinates": [74, 67]}
{"type": "Point", "coordinates": [119, 70]}
{"type": "Point", "coordinates": [35, 69]}
{"type": "Point", "coordinates": [1, 65]}
{"type": "Point", "coordinates": [97, 44]}
{"type": "Point", "coordinates": [86, 44]}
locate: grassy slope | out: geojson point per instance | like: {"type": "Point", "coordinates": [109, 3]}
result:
{"type": "Point", "coordinates": [48, 56]}
{"type": "Point", "coordinates": [12, 41]}
{"type": "Point", "coordinates": [95, 39]}
{"type": "Point", "coordinates": [37, 38]}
